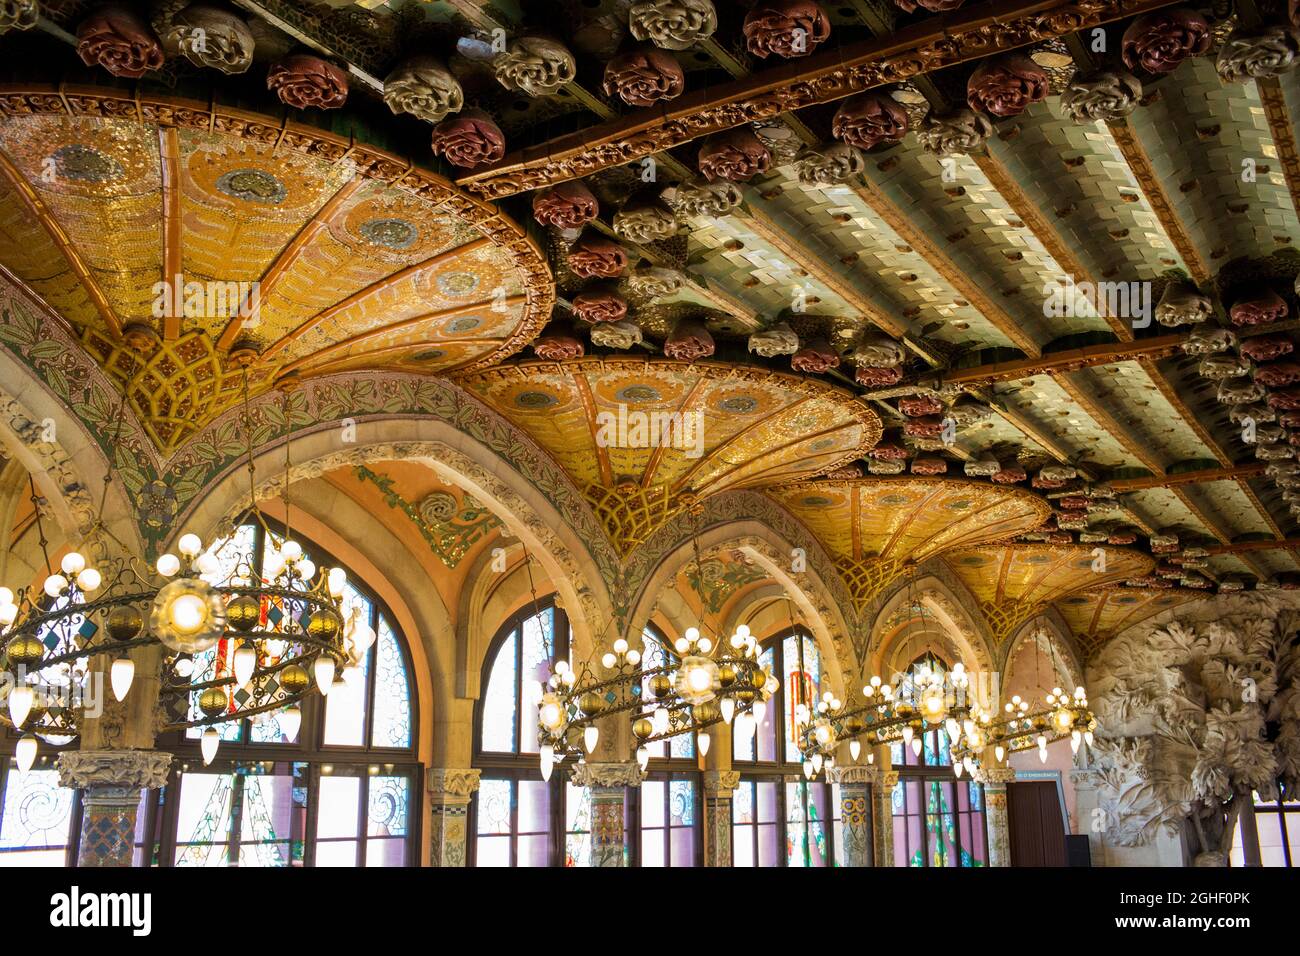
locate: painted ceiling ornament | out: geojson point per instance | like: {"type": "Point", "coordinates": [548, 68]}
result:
{"type": "Point", "coordinates": [1223, 365]}
{"type": "Point", "coordinates": [870, 119]}
{"type": "Point", "coordinates": [438, 507]}
{"type": "Point", "coordinates": [1278, 373]}
{"type": "Point", "coordinates": [1182, 303]}
{"type": "Point", "coordinates": [887, 466]}
{"type": "Point", "coordinates": [705, 199]}
{"type": "Point", "coordinates": [1158, 42]}
{"type": "Point", "coordinates": [1208, 339]}
{"type": "Point", "coordinates": [645, 219]}
{"type": "Point", "coordinates": [929, 465]}
{"type": "Point", "coordinates": [1009, 473]}
{"type": "Point", "coordinates": [423, 87]}
{"type": "Point", "coordinates": [736, 154]}
{"type": "Point", "coordinates": [469, 139]}
{"type": "Point", "coordinates": [788, 28]}
{"type": "Point", "coordinates": [954, 133]}
{"type": "Point", "coordinates": [1239, 390]}
{"type": "Point", "coordinates": [304, 82]}
{"type": "Point", "coordinates": [1287, 399]}
{"type": "Point", "coordinates": [924, 426]}
{"type": "Point", "coordinates": [689, 341]}
{"type": "Point", "coordinates": [600, 303]}
{"type": "Point", "coordinates": [209, 36]}
{"type": "Point", "coordinates": [644, 77]}
{"type": "Point", "coordinates": [593, 256]}
{"type": "Point", "coordinates": [1254, 54]}
{"type": "Point", "coordinates": [1265, 348]}
{"type": "Point", "coordinates": [558, 343]}
{"type": "Point", "coordinates": [982, 468]}
{"type": "Point", "coordinates": [673, 24]}
{"type": "Point", "coordinates": [118, 39]}
{"type": "Point", "coordinates": [616, 335]}
{"type": "Point", "coordinates": [1058, 473]}
{"type": "Point", "coordinates": [966, 411]}
{"type": "Point", "coordinates": [565, 206]}
{"type": "Point", "coordinates": [780, 339]}
{"type": "Point", "coordinates": [1258, 307]}
{"type": "Point", "coordinates": [655, 282]}
{"type": "Point", "coordinates": [889, 450]}
{"type": "Point", "coordinates": [876, 376]}
{"type": "Point", "coordinates": [1253, 410]}
{"type": "Point", "coordinates": [18, 14]}
{"type": "Point", "coordinates": [535, 66]}
{"type": "Point", "coordinates": [830, 164]}
{"type": "Point", "coordinates": [1105, 95]}
{"type": "Point", "coordinates": [815, 357]}
{"type": "Point", "coordinates": [876, 348]}
{"type": "Point", "coordinates": [1006, 85]}
{"type": "Point", "coordinates": [918, 406]}
{"type": "Point", "coordinates": [934, 6]}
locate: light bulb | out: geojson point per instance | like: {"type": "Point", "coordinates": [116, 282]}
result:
{"type": "Point", "coordinates": [760, 710]}
{"type": "Point", "coordinates": [1000, 752]}
{"type": "Point", "coordinates": [291, 550]}
{"type": "Point", "coordinates": [168, 564]}
{"type": "Point", "coordinates": [957, 769]}
{"type": "Point", "coordinates": [25, 752]}
{"type": "Point", "coordinates": [704, 740]}
{"type": "Point", "coordinates": [907, 734]}
{"type": "Point", "coordinates": [855, 749]}
{"type": "Point", "coordinates": [188, 613]}
{"type": "Point", "coordinates": [808, 769]}
{"type": "Point", "coordinates": [609, 661]}
{"type": "Point", "coordinates": [620, 646]}
{"type": "Point", "coordinates": [661, 720]}
{"type": "Point", "coordinates": [634, 657]}
{"type": "Point", "coordinates": [184, 667]}
{"type": "Point", "coordinates": [6, 596]}
{"type": "Point", "coordinates": [1075, 739]}
{"type": "Point", "coordinates": [338, 578]}
{"type": "Point", "coordinates": [1042, 754]}
{"type": "Point", "coordinates": [706, 645]}
{"type": "Point", "coordinates": [547, 755]}
{"type": "Point", "coordinates": [72, 563]}
{"type": "Point", "coordinates": [307, 571]}
{"type": "Point", "coordinates": [871, 757]}
{"type": "Point", "coordinates": [208, 744]}
{"type": "Point", "coordinates": [55, 585]}
{"type": "Point", "coordinates": [21, 699]}
{"type": "Point", "coordinates": [692, 635]}
{"type": "Point", "coordinates": [323, 670]}
{"type": "Point", "coordinates": [120, 675]}
{"type": "Point", "coordinates": [8, 614]}
{"type": "Point", "coordinates": [549, 714]}
{"type": "Point", "coordinates": [680, 645]}
{"type": "Point", "coordinates": [728, 707]}
{"type": "Point", "coordinates": [590, 737]}
{"type": "Point", "coordinates": [817, 761]}
{"type": "Point", "coordinates": [744, 725]}
{"type": "Point", "coordinates": [290, 722]}
{"type": "Point", "coordinates": [88, 579]}
{"type": "Point", "coordinates": [916, 746]}
{"type": "Point", "coordinates": [189, 546]}
{"type": "Point", "coordinates": [698, 679]}
{"type": "Point", "coordinates": [1087, 737]}
{"type": "Point", "coordinates": [642, 757]}
{"type": "Point", "coordinates": [244, 662]}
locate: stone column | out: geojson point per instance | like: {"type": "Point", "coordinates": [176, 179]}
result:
{"type": "Point", "coordinates": [855, 783]}
{"type": "Point", "coordinates": [719, 785]}
{"type": "Point", "coordinates": [111, 782]}
{"type": "Point", "coordinates": [608, 783]}
{"type": "Point", "coordinates": [450, 791]}
{"type": "Point", "coordinates": [995, 780]}
{"type": "Point", "coordinates": [883, 811]}
{"type": "Point", "coordinates": [1089, 816]}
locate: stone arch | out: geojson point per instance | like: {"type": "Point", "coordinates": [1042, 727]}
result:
{"type": "Point", "coordinates": [41, 434]}
{"type": "Point", "coordinates": [812, 592]}
{"type": "Point", "coordinates": [952, 626]}
{"type": "Point", "coordinates": [1049, 631]}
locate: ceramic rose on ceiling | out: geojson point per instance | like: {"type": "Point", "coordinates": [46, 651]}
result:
{"type": "Point", "coordinates": [1158, 42]}
{"type": "Point", "coordinates": [565, 206]}
{"type": "Point", "coordinates": [210, 37]}
{"type": "Point", "coordinates": [535, 66]}
{"type": "Point", "coordinates": [469, 139]}
{"type": "Point", "coordinates": [788, 28]}
{"type": "Point", "coordinates": [737, 155]}
{"type": "Point", "coordinates": [870, 119]}
{"type": "Point", "coordinates": [672, 24]}
{"type": "Point", "coordinates": [118, 39]}
{"type": "Point", "coordinates": [304, 82]}
{"type": "Point", "coordinates": [1006, 85]}
{"type": "Point", "coordinates": [644, 77]}
{"type": "Point", "coordinates": [423, 87]}
{"type": "Point", "coordinates": [954, 133]}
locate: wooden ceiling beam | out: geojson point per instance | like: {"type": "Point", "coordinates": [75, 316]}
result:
{"type": "Point", "coordinates": [1069, 360]}
{"type": "Point", "coordinates": [930, 44]}
{"type": "Point", "coordinates": [1200, 476]}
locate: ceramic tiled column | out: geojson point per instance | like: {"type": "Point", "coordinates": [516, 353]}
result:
{"type": "Point", "coordinates": [855, 789]}
{"type": "Point", "coordinates": [608, 783]}
{"type": "Point", "coordinates": [719, 785]}
{"type": "Point", "coordinates": [449, 794]}
{"type": "Point", "coordinates": [995, 780]}
{"type": "Point", "coordinates": [883, 811]}
{"type": "Point", "coordinates": [111, 782]}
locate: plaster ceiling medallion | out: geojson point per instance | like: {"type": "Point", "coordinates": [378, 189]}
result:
{"type": "Point", "coordinates": [728, 427]}
{"type": "Point", "coordinates": [347, 271]}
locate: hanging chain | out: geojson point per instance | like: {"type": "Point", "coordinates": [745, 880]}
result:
{"type": "Point", "coordinates": [40, 525]}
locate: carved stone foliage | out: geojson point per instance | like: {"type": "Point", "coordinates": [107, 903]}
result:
{"type": "Point", "coordinates": [444, 782]}
{"type": "Point", "coordinates": [139, 769]}
{"type": "Point", "coordinates": [607, 775]}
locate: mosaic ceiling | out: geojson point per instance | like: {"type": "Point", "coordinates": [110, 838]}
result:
{"type": "Point", "coordinates": [843, 258]}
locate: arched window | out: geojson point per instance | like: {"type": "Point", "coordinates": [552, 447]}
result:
{"type": "Point", "coordinates": [668, 800]}
{"type": "Point", "coordinates": [938, 819]}
{"type": "Point", "coordinates": [343, 792]}
{"type": "Point", "coordinates": [518, 818]}
{"type": "Point", "coordinates": [776, 820]}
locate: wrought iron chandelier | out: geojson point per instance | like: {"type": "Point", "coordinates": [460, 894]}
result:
{"type": "Point", "coordinates": [703, 681]}
{"type": "Point", "coordinates": [234, 643]}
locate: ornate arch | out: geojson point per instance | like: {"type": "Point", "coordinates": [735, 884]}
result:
{"type": "Point", "coordinates": [1047, 628]}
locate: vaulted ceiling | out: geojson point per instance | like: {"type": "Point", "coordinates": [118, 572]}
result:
{"type": "Point", "coordinates": [860, 305]}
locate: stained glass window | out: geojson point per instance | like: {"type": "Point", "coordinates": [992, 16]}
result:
{"type": "Point", "coordinates": [35, 818]}
{"type": "Point", "coordinates": [938, 822]}
{"type": "Point", "coordinates": [525, 650]}
{"type": "Point", "coordinates": [755, 823]}
{"type": "Point", "coordinates": [655, 653]}
{"type": "Point", "coordinates": [669, 820]}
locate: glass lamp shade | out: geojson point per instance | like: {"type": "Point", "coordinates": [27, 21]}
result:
{"type": "Point", "coordinates": [188, 615]}
{"type": "Point", "coordinates": [697, 677]}
{"type": "Point", "coordinates": [25, 752]}
{"type": "Point", "coordinates": [208, 744]}
{"type": "Point", "coordinates": [121, 675]}
{"type": "Point", "coordinates": [291, 722]}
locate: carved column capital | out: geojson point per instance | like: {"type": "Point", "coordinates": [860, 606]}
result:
{"type": "Point", "coordinates": [853, 774]}
{"type": "Point", "coordinates": [715, 781]}
{"type": "Point", "coordinates": [889, 780]}
{"type": "Point", "coordinates": [444, 782]}
{"type": "Point", "coordinates": [1085, 778]}
{"type": "Point", "coordinates": [137, 769]}
{"type": "Point", "coordinates": [608, 775]}
{"type": "Point", "coordinates": [994, 776]}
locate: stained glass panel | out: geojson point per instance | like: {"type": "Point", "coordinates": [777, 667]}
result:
{"type": "Point", "coordinates": [577, 826]}
{"type": "Point", "coordinates": [204, 818]}
{"type": "Point", "coordinates": [35, 818]}
{"type": "Point", "coordinates": [499, 701]}
{"type": "Point", "coordinates": [392, 692]}
{"type": "Point", "coordinates": [538, 635]}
